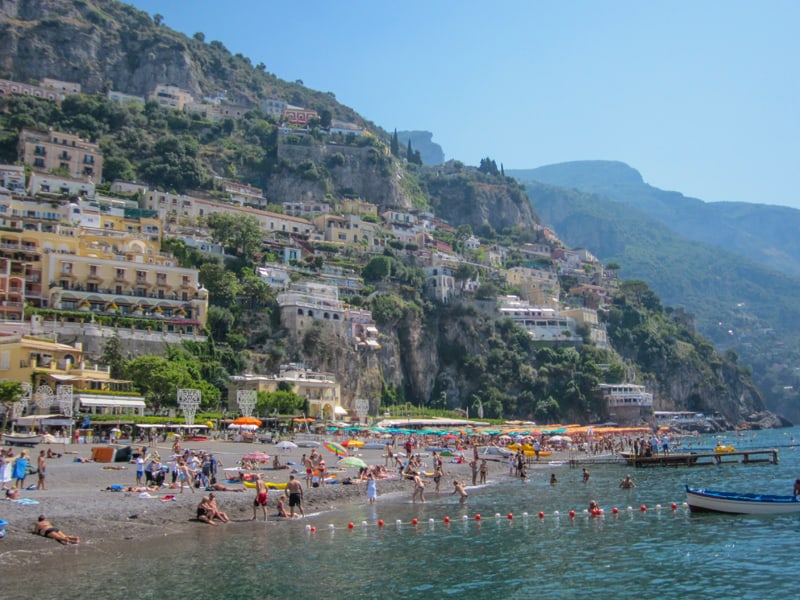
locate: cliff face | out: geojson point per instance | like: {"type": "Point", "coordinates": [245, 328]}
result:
{"type": "Point", "coordinates": [337, 169]}
{"type": "Point", "coordinates": [100, 45]}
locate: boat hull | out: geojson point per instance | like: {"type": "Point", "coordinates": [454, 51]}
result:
{"type": "Point", "coordinates": [22, 439]}
{"type": "Point", "coordinates": [732, 503]}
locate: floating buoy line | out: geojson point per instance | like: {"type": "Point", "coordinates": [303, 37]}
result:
{"type": "Point", "coordinates": [541, 516]}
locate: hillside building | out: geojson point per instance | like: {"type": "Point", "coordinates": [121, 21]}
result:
{"type": "Point", "coordinates": [49, 150]}
{"type": "Point", "coordinates": [627, 403]}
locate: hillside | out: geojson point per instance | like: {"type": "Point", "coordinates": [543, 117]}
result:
{"type": "Point", "coordinates": [760, 232]}
{"type": "Point", "coordinates": [736, 303]}
{"type": "Point", "coordinates": [457, 354]}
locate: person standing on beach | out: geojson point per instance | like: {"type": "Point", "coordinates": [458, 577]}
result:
{"type": "Point", "coordinates": [41, 467]}
{"type": "Point", "coordinates": [139, 469]}
{"type": "Point", "coordinates": [437, 477]}
{"type": "Point", "coordinates": [294, 490]}
{"type": "Point", "coordinates": [419, 488]}
{"type": "Point", "coordinates": [21, 469]}
{"type": "Point", "coordinates": [185, 476]}
{"type": "Point", "coordinates": [473, 465]}
{"type": "Point", "coordinates": [309, 465]}
{"type": "Point", "coordinates": [261, 497]}
{"type": "Point", "coordinates": [372, 488]}
{"type": "Point", "coordinates": [484, 471]}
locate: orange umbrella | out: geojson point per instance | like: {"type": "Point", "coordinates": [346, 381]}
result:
{"type": "Point", "coordinates": [247, 421]}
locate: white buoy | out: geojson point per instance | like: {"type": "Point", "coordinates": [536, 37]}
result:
{"type": "Point", "coordinates": [556, 513]}
{"type": "Point", "coordinates": [398, 522]}
{"type": "Point", "coordinates": [363, 523]}
{"type": "Point", "coordinates": [430, 522]}
{"type": "Point", "coordinates": [331, 526]}
{"type": "Point", "coordinates": [630, 509]}
{"type": "Point", "coordinates": [308, 527]}
{"type": "Point", "coordinates": [464, 518]}
{"type": "Point", "coordinates": [524, 515]}
{"type": "Point", "coordinates": [658, 507]}
{"type": "Point", "coordinates": [496, 515]}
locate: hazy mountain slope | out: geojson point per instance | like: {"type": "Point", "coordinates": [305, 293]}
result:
{"type": "Point", "coordinates": [738, 304]}
{"type": "Point", "coordinates": [763, 233]}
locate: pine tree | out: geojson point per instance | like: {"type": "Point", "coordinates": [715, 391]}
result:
{"type": "Point", "coordinates": [409, 152]}
{"type": "Point", "coordinates": [395, 147]}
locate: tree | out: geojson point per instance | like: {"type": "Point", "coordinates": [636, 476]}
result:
{"type": "Point", "coordinates": [379, 268]}
{"type": "Point", "coordinates": [10, 392]}
{"type": "Point", "coordinates": [243, 234]}
{"type": "Point", "coordinates": [409, 152]}
{"type": "Point", "coordinates": [158, 19]}
{"type": "Point", "coordinates": [395, 145]}
{"type": "Point", "coordinates": [222, 285]}
{"type": "Point", "coordinates": [200, 36]}
{"type": "Point", "coordinates": [114, 357]}
{"type": "Point", "coordinates": [282, 401]}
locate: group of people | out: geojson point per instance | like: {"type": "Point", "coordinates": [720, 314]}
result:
{"type": "Point", "coordinates": [17, 468]}
{"type": "Point", "coordinates": [294, 493]}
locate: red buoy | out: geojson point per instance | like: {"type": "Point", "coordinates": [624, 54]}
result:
{"type": "Point", "coordinates": [380, 522]}
{"type": "Point", "coordinates": [541, 515]}
{"type": "Point", "coordinates": [615, 510]}
{"type": "Point", "coordinates": [414, 521]}
{"type": "Point", "coordinates": [350, 525]}
{"type": "Point", "coordinates": [510, 516]}
{"type": "Point", "coordinates": [313, 529]}
{"type": "Point", "coordinates": [477, 517]}
{"type": "Point", "coordinates": [674, 506]}
{"type": "Point", "coordinates": [643, 508]}
{"type": "Point", "coordinates": [447, 519]}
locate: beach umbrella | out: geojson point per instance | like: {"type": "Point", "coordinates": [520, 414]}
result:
{"type": "Point", "coordinates": [286, 445]}
{"type": "Point", "coordinates": [352, 461]}
{"type": "Point", "coordinates": [247, 421]}
{"type": "Point", "coordinates": [451, 436]}
{"type": "Point", "coordinates": [352, 443]}
{"type": "Point", "coordinates": [256, 457]}
{"type": "Point", "coordinates": [560, 438]}
{"type": "Point", "coordinates": [336, 448]}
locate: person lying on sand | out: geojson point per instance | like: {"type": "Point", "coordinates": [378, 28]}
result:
{"type": "Point", "coordinates": [218, 487]}
{"type": "Point", "coordinates": [45, 528]}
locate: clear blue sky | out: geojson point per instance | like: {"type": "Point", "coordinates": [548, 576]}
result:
{"type": "Point", "coordinates": [702, 97]}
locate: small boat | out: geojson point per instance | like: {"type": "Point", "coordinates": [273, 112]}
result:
{"type": "Point", "coordinates": [702, 500]}
{"type": "Point", "coordinates": [22, 439]}
{"type": "Point", "coordinates": [720, 449]}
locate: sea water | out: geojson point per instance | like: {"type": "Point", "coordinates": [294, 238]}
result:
{"type": "Point", "coordinates": [657, 552]}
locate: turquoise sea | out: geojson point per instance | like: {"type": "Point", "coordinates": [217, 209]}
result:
{"type": "Point", "coordinates": [658, 553]}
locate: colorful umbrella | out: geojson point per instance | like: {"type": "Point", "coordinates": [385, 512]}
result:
{"type": "Point", "coordinates": [256, 457]}
{"type": "Point", "coordinates": [352, 461]}
{"type": "Point", "coordinates": [352, 443]}
{"type": "Point", "coordinates": [247, 421]}
{"type": "Point", "coordinates": [336, 448]}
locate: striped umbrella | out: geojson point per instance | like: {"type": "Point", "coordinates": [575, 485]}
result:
{"type": "Point", "coordinates": [336, 448]}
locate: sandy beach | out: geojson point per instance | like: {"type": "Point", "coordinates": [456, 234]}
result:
{"type": "Point", "coordinates": [77, 500]}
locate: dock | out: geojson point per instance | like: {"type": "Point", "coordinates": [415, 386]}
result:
{"type": "Point", "coordinates": [686, 459]}
{"type": "Point", "coordinates": [692, 459]}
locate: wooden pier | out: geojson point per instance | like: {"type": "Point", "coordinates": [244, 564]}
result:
{"type": "Point", "coordinates": [692, 459]}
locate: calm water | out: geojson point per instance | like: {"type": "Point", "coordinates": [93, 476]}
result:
{"type": "Point", "coordinates": [659, 553]}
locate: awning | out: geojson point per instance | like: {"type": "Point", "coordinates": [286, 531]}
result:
{"type": "Point", "coordinates": [111, 401]}
{"type": "Point", "coordinates": [339, 410]}
{"type": "Point", "coordinates": [37, 419]}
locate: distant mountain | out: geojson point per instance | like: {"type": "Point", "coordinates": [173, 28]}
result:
{"type": "Point", "coordinates": [762, 233]}
{"type": "Point", "coordinates": [431, 152]}
{"type": "Point", "coordinates": [739, 304]}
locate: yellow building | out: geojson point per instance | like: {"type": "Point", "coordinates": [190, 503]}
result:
{"type": "Point", "coordinates": [320, 389]}
{"type": "Point", "coordinates": [106, 261]}
{"type": "Point", "coordinates": [52, 368]}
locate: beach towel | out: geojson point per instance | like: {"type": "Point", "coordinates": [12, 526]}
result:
{"type": "Point", "coordinates": [26, 501]}
{"type": "Point", "coordinates": [145, 495]}
{"type": "Point", "coordinates": [169, 498]}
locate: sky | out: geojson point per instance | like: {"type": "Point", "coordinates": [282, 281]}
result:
{"type": "Point", "coordinates": [700, 96]}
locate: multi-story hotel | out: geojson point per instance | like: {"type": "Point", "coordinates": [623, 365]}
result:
{"type": "Point", "coordinates": [97, 260]}
{"type": "Point", "coordinates": [628, 403]}
{"type": "Point", "coordinates": [49, 150]}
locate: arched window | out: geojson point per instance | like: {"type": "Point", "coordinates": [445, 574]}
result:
{"type": "Point", "coordinates": [299, 311]}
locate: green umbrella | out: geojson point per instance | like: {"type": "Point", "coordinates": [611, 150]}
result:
{"type": "Point", "coordinates": [352, 461]}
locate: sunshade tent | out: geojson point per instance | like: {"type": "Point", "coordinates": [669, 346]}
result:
{"type": "Point", "coordinates": [286, 445]}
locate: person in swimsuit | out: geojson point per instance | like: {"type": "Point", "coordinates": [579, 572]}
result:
{"type": "Point", "coordinates": [295, 492]}
{"type": "Point", "coordinates": [419, 488]}
{"type": "Point", "coordinates": [45, 528]}
{"type": "Point", "coordinates": [41, 466]}
{"type": "Point", "coordinates": [458, 488]}
{"type": "Point", "coordinates": [261, 497]}
{"type": "Point", "coordinates": [205, 513]}
{"type": "Point", "coordinates": [282, 507]}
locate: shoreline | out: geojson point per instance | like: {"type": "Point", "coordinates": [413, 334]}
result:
{"type": "Point", "coordinates": [76, 500]}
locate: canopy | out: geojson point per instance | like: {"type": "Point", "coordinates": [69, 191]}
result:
{"type": "Point", "coordinates": [247, 421]}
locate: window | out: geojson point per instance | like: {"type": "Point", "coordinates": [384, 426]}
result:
{"type": "Point", "coordinates": [5, 360]}
{"type": "Point", "coordinates": [38, 162]}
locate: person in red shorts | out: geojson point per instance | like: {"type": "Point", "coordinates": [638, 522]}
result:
{"type": "Point", "coordinates": [261, 497]}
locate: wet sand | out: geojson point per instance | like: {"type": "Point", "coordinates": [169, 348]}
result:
{"type": "Point", "coordinates": [76, 500]}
